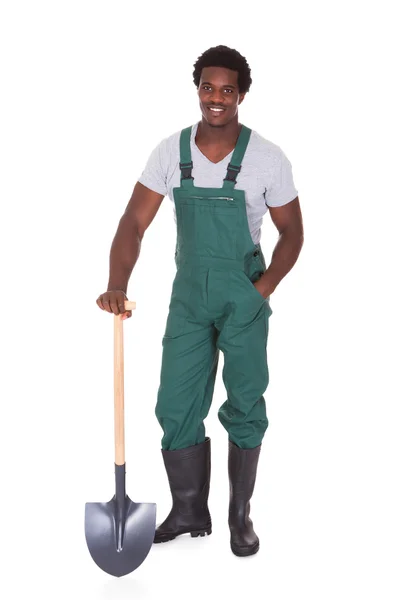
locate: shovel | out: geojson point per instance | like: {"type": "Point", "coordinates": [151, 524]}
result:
{"type": "Point", "coordinates": [119, 533]}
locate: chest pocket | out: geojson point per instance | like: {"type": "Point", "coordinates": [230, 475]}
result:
{"type": "Point", "coordinates": [207, 226]}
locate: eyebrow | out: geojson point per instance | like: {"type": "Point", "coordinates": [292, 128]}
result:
{"type": "Point", "coordinates": [225, 86]}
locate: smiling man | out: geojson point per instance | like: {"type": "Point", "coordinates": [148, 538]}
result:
{"type": "Point", "coordinates": [222, 178]}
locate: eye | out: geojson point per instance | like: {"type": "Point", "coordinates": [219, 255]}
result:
{"type": "Point", "coordinates": [209, 87]}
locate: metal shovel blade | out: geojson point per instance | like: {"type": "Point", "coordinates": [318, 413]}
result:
{"type": "Point", "coordinates": [119, 540]}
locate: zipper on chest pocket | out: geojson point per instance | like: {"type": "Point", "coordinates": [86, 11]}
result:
{"type": "Point", "coordinates": [212, 198]}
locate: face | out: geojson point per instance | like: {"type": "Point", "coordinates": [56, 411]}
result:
{"type": "Point", "coordinates": [219, 88]}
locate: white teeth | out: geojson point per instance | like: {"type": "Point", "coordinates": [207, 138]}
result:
{"type": "Point", "coordinates": [217, 109]}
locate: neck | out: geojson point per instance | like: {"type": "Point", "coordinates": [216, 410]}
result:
{"type": "Point", "coordinates": [225, 134]}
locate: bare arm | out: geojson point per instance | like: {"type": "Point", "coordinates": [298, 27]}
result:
{"type": "Point", "coordinates": [288, 221]}
{"type": "Point", "coordinates": [125, 248]}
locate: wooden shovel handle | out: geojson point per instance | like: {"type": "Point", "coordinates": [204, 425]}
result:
{"type": "Point", "coordinates": [119, 418]}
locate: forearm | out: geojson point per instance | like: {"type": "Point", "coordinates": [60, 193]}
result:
{"type": "Point", "coordinates": [124, 253]}
{"type": "Point", "coordinates": [284, 256]}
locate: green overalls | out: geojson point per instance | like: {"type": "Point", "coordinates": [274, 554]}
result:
{"type": "Point", "coordinates": [214, 306]}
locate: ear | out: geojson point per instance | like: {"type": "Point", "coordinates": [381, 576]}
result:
{"type": "Point", "coordinates": [241, 98]}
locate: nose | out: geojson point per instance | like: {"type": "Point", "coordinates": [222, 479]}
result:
{"type": "Point", "coordinates": [216, 98]}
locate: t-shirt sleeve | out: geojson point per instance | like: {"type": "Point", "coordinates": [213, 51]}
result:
{"type": "Point", "coordinates": [154, 175]}
{"type": "Point", "coordinates": [281, 189]}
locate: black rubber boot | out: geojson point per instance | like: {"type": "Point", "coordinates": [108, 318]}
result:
{"type": "Point", "coordinates": [188, 473]}
{"type": "Point", "coordinates": [242, 468]}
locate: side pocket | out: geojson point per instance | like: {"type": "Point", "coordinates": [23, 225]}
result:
{"type": "Point", "coordinates": [267, 313]}
{"type": "Point", "coordinates": [174, 326]}
{"type": "Point", "coordinates": [253, 289]}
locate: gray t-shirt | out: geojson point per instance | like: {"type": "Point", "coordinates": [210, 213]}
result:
{"type": "Point", "coordinates": [266, 175]}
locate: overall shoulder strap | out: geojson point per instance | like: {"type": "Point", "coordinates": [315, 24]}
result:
{"type": "Point", "coordinates": [235, 165]}
{"type": "Point", "coordinates": [185, 156]}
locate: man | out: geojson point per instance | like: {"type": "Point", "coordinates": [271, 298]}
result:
{"type": "Point", "coordinates": [222, 177]}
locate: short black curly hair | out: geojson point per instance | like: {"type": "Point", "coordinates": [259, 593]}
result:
{"type": "Point", "coordinates": [222, 56]}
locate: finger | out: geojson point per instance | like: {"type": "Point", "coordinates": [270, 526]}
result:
{"type": "Point", "coordinates": [121, 305]}
{"type": "Point", "coordinates": [100, 303]}
{"type": "Point", "coordinates": [118, 303]}
{"type": "Point", "coordinates": [106, 303]}
{"type": "Point", "coordinates": [114, 305]}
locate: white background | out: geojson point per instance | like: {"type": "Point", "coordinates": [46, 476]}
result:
{"type": "Point", "coordinates": [88, 90]}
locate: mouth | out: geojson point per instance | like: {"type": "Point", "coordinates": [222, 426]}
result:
{"type": "Point", "coordinates": [216, 111]}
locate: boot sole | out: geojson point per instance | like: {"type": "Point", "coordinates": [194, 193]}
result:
{"type": "Point", "coordinates": [245, 551]}
{"type": "Point", "coordinates": [167, 537]}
